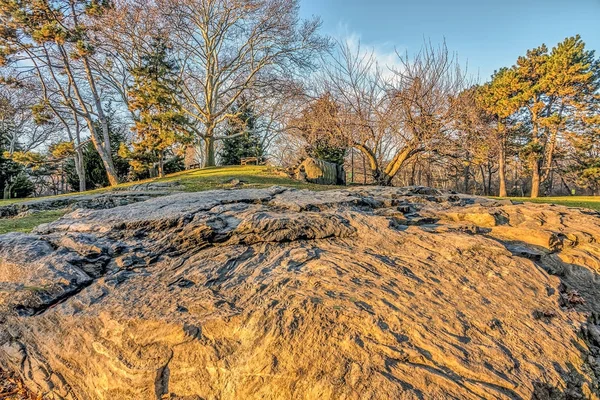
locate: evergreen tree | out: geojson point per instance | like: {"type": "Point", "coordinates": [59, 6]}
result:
{"type": "Point", "coordinates": [14, 181]}
{"type": "Point", "coordinates": [586, 166]}
{"type": "Point", "coordinates": [160, 122]}
{"type": "Point", "coordinates": [553, 88]}
{"type": "Point", "coordinates": [56, 39]}
{"type": "Point", "coordinates": [498, 99]}
{"type": "Point", "coordinates": [242, 140]}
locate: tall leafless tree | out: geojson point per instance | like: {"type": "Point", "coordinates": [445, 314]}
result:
{"type": "Point", "coordinates": [392, 114]}
{"type": "Point", "coordinates": [228, 48]}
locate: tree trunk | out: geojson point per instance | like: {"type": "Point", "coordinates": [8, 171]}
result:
{"type": "Point", "coordinates": [103, 146]}
{"type": "Point", "coordinates": [502, 171]}
{"type": "Point", "coordinates": [535, 179]}
{"type": "Point", "coordinates": [209, 147]}
{"type": "Point", "coordinates": [369, 156]}
{"type": "Point", "coordinates": [483, 180]}
{"type": "Point", "coordinates": [385, 180]}
{"type": "Point", "coordinates": [352, 165]}
{"type": "Point", "coordinates": [489, 177]}
{"type": "Point", "coordinates": [467, 175]}
{"type": "Point", "coordinates": [535, 164]}
{"type": "Point", "coordinates": [79, 161]}
{"type": "Point", "coordinates": [80, 168]}
{"type": "Point", "coordinates": [161, 164]}
{"type": "Point", "coordinates": [397, 162]}
{"type": "Point", "coordinates": [105, 156]}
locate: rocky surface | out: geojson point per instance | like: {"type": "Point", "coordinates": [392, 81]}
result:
{"type": "Point", "coordinates": [133, 194]}
{"type": "Point", "coordinates": [364, 293]}
{"type": "Point", "coordinates": [321, 172]}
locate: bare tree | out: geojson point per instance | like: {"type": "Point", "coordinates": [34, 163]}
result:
{"type": "Point", "coordinates": [391, 117]}
{"type": "Point", "coordinates": [123, 36]}
{"type": "Point", "coordinates": [231, 47]}
{"type": "Point", "coordinates": [17, 120]}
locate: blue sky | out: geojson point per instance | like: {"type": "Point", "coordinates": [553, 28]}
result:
{"type": "Point", "coordinates": [486, 34]}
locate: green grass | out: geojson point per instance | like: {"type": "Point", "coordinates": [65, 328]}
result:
{"type": "Point", "coordinates": [26, 224]}
{"type": "Point", "coordinates": [214, 178]}
{"type": "Point", "coordinates": [208, 179]}
{"type": "Point", "coordinates": [569, 201]}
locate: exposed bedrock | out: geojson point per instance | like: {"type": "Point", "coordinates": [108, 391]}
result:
{"type": "Point", "coordinates": [132, 194]}
{"type": "Point", "coordinates": [362, 293]}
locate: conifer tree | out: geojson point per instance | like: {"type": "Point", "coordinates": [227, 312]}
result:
{"type": "Point", "coordinates": [159, 122]}
{"type": "Point", "coordinates": [54, 38]}
{"type": "Point", "coordinates": [498, 99]}
{"type": "Point", "coordinates": [552, 87]}
{"type": "Point", "coordinates": [241, 139]}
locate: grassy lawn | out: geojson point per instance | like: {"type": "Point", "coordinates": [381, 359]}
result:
{"type": "Point", "coordinates": [26, 224]}
{"type": "Point", "coordinates": [217, 177]}
{"type": "Point", "coordinates": [214, 178]}
{"type": "Point", "coordinates": [569, 201]}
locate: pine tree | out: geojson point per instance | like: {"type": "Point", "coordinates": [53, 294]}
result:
{"type": "Point", "coordinates": [498, 99]}
{"type": "Point", "coordinates": [241, 140]}
{"type": "Point", "coordinates": [160, 122]}
{"type": "Point", "coordinates": [55, 39]}
{"type": "Point", "coordinates": [14, 181]}
{"type": "Point", "coordinates": [586, 157]}
{"type": "Point", "coordinates": [553, 87]}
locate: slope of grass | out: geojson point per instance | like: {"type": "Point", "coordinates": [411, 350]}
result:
{"type": "Point", "coordinates": [569, 201]}
{"type": "Point", "coordinates": [255, 176]}
{"type": "Point", "coordinates": [219, 177]}
{"type": "Point", "coordinates": [26, 224]}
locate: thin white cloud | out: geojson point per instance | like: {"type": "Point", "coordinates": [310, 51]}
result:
{"type": "Point", "coordinates": [385, 53]}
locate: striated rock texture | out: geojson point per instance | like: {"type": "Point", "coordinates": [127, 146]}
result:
{"type": "Point", "coordinates": [366, 293]}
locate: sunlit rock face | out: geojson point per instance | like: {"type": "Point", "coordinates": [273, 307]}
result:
{"type": "Point", "coordinates": [363, 293]}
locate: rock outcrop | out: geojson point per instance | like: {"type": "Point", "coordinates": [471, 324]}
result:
{"type": "Point", "coordinates": [133, 194]}
{"type": "Point", "coordinates": [363, 293]}
{"type": "Point", "coordinates": [321, 172]}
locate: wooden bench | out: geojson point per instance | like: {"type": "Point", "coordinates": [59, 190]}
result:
{"type": "Point", "coordinates": [194, 166]}
{"type": "Point", "coordinates": [251, 161]}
